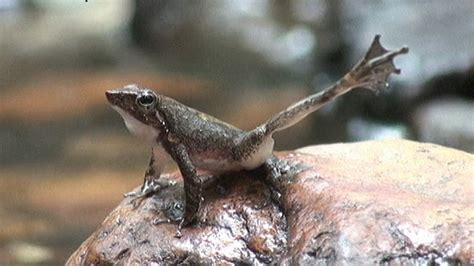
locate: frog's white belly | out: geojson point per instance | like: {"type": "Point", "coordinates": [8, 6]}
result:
{"type": "Point", "coordinates": [219, 165]}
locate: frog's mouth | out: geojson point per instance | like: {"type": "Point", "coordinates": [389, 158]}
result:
{"type": "Point", "coordinates": [121, 97]}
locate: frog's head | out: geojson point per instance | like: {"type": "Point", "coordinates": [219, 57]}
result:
{"type": "Point", "coordinates": [137, 106]}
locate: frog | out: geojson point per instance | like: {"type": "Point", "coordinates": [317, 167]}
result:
{"type": "Point", "coordinates": [198, 141]}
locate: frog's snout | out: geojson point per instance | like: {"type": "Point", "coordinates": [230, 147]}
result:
{"type": "Point", "coordinates": [111, 96]}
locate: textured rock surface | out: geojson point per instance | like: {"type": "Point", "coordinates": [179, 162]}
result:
{"type": "Point", "coordinates": [398, 202]}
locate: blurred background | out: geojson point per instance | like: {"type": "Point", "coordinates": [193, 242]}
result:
{"type": "Point", "coordinates": [66, 157]}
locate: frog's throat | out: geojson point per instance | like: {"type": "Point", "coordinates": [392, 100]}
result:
{"type": "Point", "coordinates": [136, 127]}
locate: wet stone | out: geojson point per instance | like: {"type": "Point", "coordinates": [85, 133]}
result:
{"type": "Point", "coordinates": [379, 202]}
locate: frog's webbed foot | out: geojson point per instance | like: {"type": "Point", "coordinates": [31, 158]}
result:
{"type": "Point", "coordinates": [183, 212]}
{"type": "Point", "coordinates": [374, 69]}
{"type": "Point", "coordinates": [150, 186]}
{"type": "Point", "coordinates": [183, 221]}
{"type": "Point", "coordinates": [173, 213]}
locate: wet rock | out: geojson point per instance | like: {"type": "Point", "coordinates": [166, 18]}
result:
{"type": "Point", "coordinates": [237, 224]}
{"type": "Point", "coordinates": [395, 202]}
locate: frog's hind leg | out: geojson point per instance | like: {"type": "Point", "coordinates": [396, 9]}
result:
{"type": "Point", "coordinates": [255, 148]}
{"type": "Point", "coordinates": [371, 73]}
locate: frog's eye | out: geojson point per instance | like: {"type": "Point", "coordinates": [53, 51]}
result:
{"type": "Point", "coordinates": [146, 100]}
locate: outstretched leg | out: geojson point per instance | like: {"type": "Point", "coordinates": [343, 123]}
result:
{"type": "Point", "coordinates": [371, 73]}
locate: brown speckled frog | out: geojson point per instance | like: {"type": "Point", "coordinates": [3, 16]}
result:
{"type": "Point", "coordinates": [195, 140]}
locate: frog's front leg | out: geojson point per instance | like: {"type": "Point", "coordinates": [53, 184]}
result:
{"type": "Point", "coordinates": [192, 185]}
{"type": "Point", "coordinates": [152, 182]}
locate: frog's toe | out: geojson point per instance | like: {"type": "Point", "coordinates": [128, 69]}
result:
{"type": "Point", "coordinates": [131, 194]}
{"type": "Point", "coordinates": [178, 233]}
{"type": "Point", "coordinates": [158, 221]}
{"type": "Point", "coordinates": [181, 224]}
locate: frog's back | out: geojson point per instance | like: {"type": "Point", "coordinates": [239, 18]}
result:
{"type": "Point", "coordinates": [199, 131]}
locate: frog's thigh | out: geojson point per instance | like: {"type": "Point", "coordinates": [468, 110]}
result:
{"type": "Point", "coordinates": [263, 152]}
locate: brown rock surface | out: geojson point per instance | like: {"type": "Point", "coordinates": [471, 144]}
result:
{"type": "Point", "coordinates": [395, 202]}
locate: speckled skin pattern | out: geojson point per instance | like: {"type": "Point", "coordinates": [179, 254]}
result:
{"type": "Point", "coordinates": [195, 140]}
